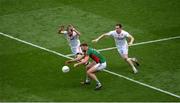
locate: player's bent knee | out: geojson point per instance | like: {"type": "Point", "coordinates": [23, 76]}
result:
{"type": "Point", "coordinates": [88, 72]}
{"type": "Point", "coordinates": [128, 59]}
{"type": "Point", "coordinates": [88, 66]}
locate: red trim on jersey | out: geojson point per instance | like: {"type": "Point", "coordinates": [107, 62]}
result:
{"type": "Point", "coordinates": [95, 58]}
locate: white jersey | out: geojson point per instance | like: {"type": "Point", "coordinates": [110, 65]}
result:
{"type": "Point", "coordinates": [73, 40]}
{"type": "Point", "coordinates": [120, 39]}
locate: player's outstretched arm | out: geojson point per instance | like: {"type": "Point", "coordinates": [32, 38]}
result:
{"type": "Point", "coordinates": [75, 60]}
{"type": "Point", "coordinates": [100, 37]}
{"type": "Point", "coordinates": [131, 39]}
{"type": "Point", "coordinates": [86, 58]}
{"type": "Point", "coordinates": [78, 33]}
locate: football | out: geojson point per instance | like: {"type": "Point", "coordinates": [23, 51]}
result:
{"type": "Point", "coordinates": [65, 69]}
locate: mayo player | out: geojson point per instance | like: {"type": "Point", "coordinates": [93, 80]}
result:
{"type": "Point", "coordinates": [98, 64]}
{"type": "Point", "coordinates": [120, 36]}
{"type": "Point", "coordinates": [72, 36]}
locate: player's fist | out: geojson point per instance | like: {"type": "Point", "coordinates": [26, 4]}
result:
{"type": "Point", "coordinates": [61, 29]}
{"type": "Point", "coordinates": [75, 65]}
{"type": "Point", "coordinates": [95, 40]}
{"type": "Point", "coordinates": [130, 44]}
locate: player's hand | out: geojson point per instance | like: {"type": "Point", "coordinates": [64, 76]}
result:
{"type": "Point", "coordinates": [75, 65]}
{"type": "Point", "coordinates": [129, 44]}
{"type": "Point", "coordinates": [61, 28]}
{"type": "Point", "coordinates": [95, 40]}
{"type": "Point", "coordinates": [73, 29]}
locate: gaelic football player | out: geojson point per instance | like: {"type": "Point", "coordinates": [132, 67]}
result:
{"type": "Point", "coordinates": [120, 36]}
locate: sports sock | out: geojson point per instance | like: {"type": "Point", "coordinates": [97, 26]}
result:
{"type": "Point", "coordinates": [134, 69]}
{"type": "Point", "coordinates": [98, 82]}
{"type": "Point", "coordinates": [87, 78]}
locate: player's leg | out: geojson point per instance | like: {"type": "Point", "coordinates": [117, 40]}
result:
{"type": "Point", "coordinates": [88, 79]}
{"type": "Point", "coordinates": [74, 50]}
{"type": "Point", "coordinates": [130, 62]}
{"type": "Point", "coordinates": [135, 61]}
{"type": "Point", "coordinates": [91, 72]}
{"type": "Point", "coordinates": [78, 49]}
{"type": "Point", "coordinates": [124, 54]}
{"type": "Point", "coordinates": [125, 51]}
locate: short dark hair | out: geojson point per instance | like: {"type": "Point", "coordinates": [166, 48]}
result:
{"type": "Point", "coordinates": [84, 44]}
{"type": "Point", "coordinates": [120, 25]}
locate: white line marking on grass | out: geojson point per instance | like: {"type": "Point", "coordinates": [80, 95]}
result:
{"type": "Point", "coordinates": [70, 55]}
{"type": "Point", "coordinates": [146, 85]}
{"type": "Point", "coordinates": [25, 42]}
{"type": "Point", "coordinates": [141, 43]}
{"type": "Point", "coordinates": [113, 73]}
{"type": "Point", "coordinates": [146, 42]}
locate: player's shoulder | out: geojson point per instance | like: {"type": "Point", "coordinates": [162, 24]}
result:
{"type": "Point", "coordinates": [89, 51]}
{"type": "Point", "coordinates": [124, 32]}
{"type": "Point", "coordinates": [113, 31]}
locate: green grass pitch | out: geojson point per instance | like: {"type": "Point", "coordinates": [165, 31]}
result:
{"type": "Point", "coordinates": [29, 74]}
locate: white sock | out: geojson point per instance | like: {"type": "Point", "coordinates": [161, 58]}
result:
{"type": "Point", "coordinates": [87, 78]}
{"type": "Point", "coordinates": [97, 81]}
{"type": "Point", "coordinates": [134, 69]}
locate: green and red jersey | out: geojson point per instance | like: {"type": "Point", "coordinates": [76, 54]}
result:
{"type": "Point", "coordinates": [95, 55]}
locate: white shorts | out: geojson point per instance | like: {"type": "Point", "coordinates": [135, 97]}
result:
{"type": "Point", "coordinates": [76, 50]}
{"type": "Point", "coordinates": [100, 66]}
{"type": "Point", "coordinates": [123, 50]}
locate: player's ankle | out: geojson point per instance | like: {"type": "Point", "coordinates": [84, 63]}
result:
{"type": "Point", "coordinates": [87, 81]}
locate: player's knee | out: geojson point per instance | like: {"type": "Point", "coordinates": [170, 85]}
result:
{"type": "Point", "coordinates": [88, 72]}
{"type": "Point", "coordinates": [126, 59]}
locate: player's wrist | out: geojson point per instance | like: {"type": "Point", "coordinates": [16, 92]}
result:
{"type": "Point", "coordinates": [130, 43]}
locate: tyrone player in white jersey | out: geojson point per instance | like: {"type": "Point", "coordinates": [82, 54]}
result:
{"type": "Point", "coordinates": [72, 36]}
{"type": "Point", "coordinates": [120, 37]}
